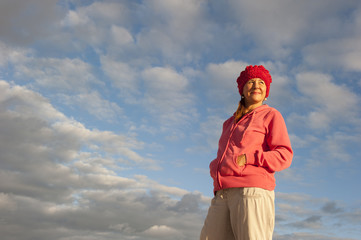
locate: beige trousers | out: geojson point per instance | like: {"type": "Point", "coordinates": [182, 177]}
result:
{"type": "Point", "coordinates": [240, 214]}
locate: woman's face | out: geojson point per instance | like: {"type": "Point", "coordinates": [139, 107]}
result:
{"type": "Point", "coordinates": [254, 91]}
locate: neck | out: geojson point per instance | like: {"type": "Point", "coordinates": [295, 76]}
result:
{"type": "Point", "coordinates": [250, 107]}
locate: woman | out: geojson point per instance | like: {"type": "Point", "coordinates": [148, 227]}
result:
{"type": "Point", "coordinates": [254, 145]}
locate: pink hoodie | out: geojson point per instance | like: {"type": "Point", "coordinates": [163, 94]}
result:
{"type": "Point", "coordinates": [262, 136]}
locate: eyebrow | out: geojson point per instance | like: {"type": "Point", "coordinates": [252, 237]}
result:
{"type": "Point", "coordinates": [259, 80]}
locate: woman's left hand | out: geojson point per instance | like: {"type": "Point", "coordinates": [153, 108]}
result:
{"type": "Point", "coordinates": [241, 160]}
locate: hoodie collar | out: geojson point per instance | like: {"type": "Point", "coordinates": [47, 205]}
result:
{"type": "Point", "coordinates": [256, 110]}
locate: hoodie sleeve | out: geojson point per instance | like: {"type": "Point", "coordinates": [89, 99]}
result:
{"type": "Point", "coordinates": [279, 154]}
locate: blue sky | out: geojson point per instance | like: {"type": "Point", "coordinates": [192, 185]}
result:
{"type": "Point", "coordinates": [110, 112]}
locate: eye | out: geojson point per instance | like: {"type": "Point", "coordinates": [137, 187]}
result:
{"type": "Point", "coordinates": [261, 82]}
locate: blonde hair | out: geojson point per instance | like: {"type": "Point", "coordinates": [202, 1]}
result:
{"type": "Point", "coordinates": [241, 110]}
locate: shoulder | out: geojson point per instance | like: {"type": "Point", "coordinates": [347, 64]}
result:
{"type": "Point", "coordinates": [267, 110]}
{"type": "Point", "coordinates": [271, 114]}
{"type": "Point", "coordinates": [229, 121]}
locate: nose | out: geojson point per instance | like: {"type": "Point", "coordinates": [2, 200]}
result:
{"type": "Point", "coordinates": [256, 84]}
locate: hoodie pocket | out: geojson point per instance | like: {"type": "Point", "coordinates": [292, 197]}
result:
{"type": "Point", "coordinates": [229, 167]}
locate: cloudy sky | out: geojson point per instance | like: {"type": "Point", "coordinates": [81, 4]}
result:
{"type": "Point", "coordinates": [110, 112]}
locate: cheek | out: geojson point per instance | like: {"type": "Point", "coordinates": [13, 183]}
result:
{"type": "Point", "coordinates": [246, 89]}
{"type": "Point", "coordinates": [264, 89]}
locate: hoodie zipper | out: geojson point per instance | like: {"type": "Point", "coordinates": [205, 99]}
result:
{"type": "Point", "coordinates": [229, 138]}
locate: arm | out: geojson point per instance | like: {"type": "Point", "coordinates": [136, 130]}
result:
{"type": "Point", "coordinates": [279, 156]}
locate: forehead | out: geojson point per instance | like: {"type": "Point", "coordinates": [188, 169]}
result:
{"type": "Point", "coordinates": [255, 79]}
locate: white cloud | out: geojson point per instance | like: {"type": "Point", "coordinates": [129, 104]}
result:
{"type": "Point", "coordinates": [280, 27]}
{"type": "Point", "coordinates": [175, 30]}
{"type": "Point", "coordinates": [162, 232]}
{"type": "Point", "coordinates": [326, 101]}
{"type": "Point", "coordinates": [167, 96]}
{"type": "Point", "coordinates": [319, 120]}
{"type": "Point", "coordinates": [291, 175]}
{"type": "Point", "coordinates": [220, 80]}
{"type": "Point", "coordinates": [23, 22]}
{"type": "Point", "coordinates": [224, 75]}
{"type": "Point", "coordinates": [123, 76]}
{"type": "Point", "coordinates": [342, 53]}
{"type": "Point", "coordinates": [64, 175]}
{"type": "Point", "coordinates": [93, 103]}
{"type": "Point", "coordinates": [181, 17]}
{"type": "Point", "coordinates": [308, 236]}
{"type": "Point", "coordinates": [336, 146]}
{"type": "Point", "coordinates": [104, 12]}
{"type": "Point", "coordinates": [10, 54]}
{"type": "Point", "coordinates": [70, 75]}
{"type": "Point", "coordinates": [264, 24]}
{"type": "Point", "coordinates": [305, 213]}
{"type": "Point", "coordinates": [89, 25]}
{"type": "Point", "coordinates": [121, 36]}
{"type": "Point", "coordinates": [74, 19]}
{"type": "Point", "coordinates": [69, 79]}
{"type": "Point", "coordinates": [207, 137]}
{"type": "Point", "coordinates": [6, 203]}
{"type": "Point", "coordinates": [59, 136]}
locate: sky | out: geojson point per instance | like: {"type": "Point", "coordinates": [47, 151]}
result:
{"type": "Point", "coordinates": [111, 111]}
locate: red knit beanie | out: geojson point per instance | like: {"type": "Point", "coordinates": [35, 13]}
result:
{"type": "Point", "coordinates": [254, 72]}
